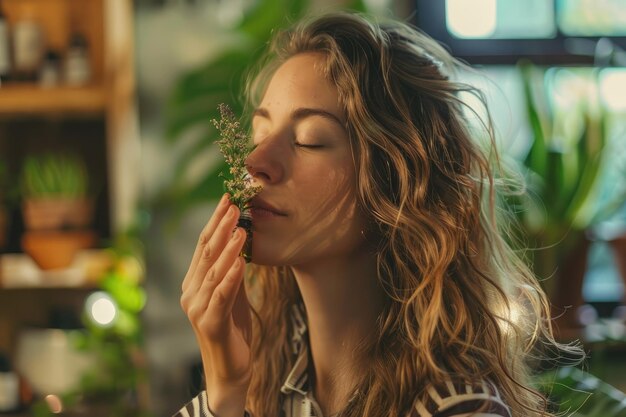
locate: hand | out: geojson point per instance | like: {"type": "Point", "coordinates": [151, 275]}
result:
{"type": "Point", "coordinates": [216, 304]}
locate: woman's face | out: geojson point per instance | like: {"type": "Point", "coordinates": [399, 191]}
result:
{"type": "Point", "coordinates": [304, 162]}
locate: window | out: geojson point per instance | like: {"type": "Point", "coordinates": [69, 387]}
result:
{"type": "Point", "coordinates": [545, 31]}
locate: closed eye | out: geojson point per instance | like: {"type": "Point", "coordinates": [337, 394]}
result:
{"type": "Point", "coordinates": [302, 145]}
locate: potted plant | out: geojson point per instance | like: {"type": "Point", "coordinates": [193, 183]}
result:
{"type": "Point", "coordinates": [56, 208]}
{"type": "Point", "coordinates": [54, 190]}
{"type": "Point", "coordinates": [563, 169]}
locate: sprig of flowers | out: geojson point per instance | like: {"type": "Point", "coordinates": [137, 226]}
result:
{"type": "Point", "coordinates": [233, 144]}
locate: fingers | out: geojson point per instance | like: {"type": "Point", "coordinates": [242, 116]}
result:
{"type": "Point", "coordinates": [214, 262]}
{"type": "Point", "coordinates": [214, 248]}
{"type": "Point", "coordinates": [217, 273]}
{"type": "Point", "coordinates": [221, 266]}
{"type": "Point", "coordinates": [211, 241]}
{"type": "Point", "coordinates": [223, 299]}
{"type": "Point", "coordinates": [205, 235]}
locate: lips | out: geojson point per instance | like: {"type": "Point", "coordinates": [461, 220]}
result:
{"type": "Point", "coordinates": [258, 204]}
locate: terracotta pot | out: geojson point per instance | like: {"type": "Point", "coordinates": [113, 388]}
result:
{"type": "Point", "coordinates": [55, 249]}
{"type": "Point", "coordinates": [57, 213]}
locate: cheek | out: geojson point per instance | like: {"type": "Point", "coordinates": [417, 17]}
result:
{"type": "Point", "coordinates": [326, 189]}
{"type": "Point", "coordinates": [329, 203]}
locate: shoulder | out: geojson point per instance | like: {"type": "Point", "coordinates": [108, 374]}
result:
{"type": "Point", "coordinates": [460, 400]}
{"type": "Point", "coordinates": [195, 408]}
{"type": "Point", "coordinates": [198, 407]}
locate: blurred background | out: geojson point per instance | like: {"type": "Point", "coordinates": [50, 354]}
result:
{"type": "Point", "coordinates": [108, 172]}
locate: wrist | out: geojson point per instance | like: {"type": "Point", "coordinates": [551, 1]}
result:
{"type": "Point", "coordinates": [226, 402]}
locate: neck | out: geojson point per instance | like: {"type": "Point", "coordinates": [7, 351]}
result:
{"type": "Point", "coordinates": [343, 301]}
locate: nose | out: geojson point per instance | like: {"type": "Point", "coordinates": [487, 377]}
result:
{"type": "Point", "coordinates": [264, 163]}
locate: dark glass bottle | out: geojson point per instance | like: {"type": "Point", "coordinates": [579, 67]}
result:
{"type": "Point", "coordinates": [245, 221]}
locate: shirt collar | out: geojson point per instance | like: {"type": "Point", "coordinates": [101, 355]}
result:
{"type": "Point", "coordinates": [297, 380]}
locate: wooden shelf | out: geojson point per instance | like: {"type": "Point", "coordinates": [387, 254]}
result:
{"type": "Point", "coordinates": [32, 99]}
{"type": "Point", "coordinates": [84, 287]}
{"type": "Point", "coordinates": [19, 272]}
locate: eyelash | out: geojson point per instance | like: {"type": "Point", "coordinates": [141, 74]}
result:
{"type": "Point", "coordinates": [308, 146]}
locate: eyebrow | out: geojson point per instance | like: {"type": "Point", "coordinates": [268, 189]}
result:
{"type": "Point", "coordinates": [301, 113]}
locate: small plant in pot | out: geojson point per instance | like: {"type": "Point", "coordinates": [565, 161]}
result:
{"type": "Point", "coordinates": [56, 208]}
{"type": "Point", "coordinates": [234, 146]}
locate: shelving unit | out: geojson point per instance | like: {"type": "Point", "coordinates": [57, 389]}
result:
{"type": "Point", "coordinates": [97, 120]}
{"type": "Point", "coordinates": [35, 100]}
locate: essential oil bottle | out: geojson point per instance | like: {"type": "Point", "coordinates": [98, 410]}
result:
{"type": "Point", "coordinates": [245, 221]}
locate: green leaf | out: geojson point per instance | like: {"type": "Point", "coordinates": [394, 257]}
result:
{"type": "Point", "coordinates": [581, 393]}
{"type": "Point", "coordinates": [269, 15]}
{"type": "Point", "coordinates": [53, 174]}
{"type": "Point", "coordinates": [209, 188]}
{"type": "Point", "coordinates": [553, 181]}
{"type": "Point", "coordinates": [192, 114]}
{"type": "Point", "coordinates": [195, 98]}
{"type": "Point", "coordinates": [536, 159]}
{"type": "Point", "coordinates": [196, 150]}
{"type": "Point", "coordinates": [591, 160]}
{"type": "Point", "coordinates": [219, 74]}
{"type": "Point", "coordinates": [129, 297]}
{"type": "Point", "coordinates": [357, 6]}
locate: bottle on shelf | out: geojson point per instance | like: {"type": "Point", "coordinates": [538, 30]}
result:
{"type": "Point", "coordinates": [77, 69]}
{"type": "Point", "coordinates": [9, 387]}
{"type": "Point", "coordinates": [28, 44]}
{"type": "Point", "coordinates": [50, 72]}
{"type": "Point", "coordinates": [5, 62]}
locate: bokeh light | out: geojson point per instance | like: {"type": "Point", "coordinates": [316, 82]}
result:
{"type": "Point", "coordinates": [471, 18]}
{"type": "Point", "coordinates": [101, 308]}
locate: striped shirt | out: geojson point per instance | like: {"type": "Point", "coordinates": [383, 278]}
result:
{"type": "Point", "coordinates": [449, 400]}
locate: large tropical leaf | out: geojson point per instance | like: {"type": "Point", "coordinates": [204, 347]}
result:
{"type": "Point", "coordinates": [579, 394]}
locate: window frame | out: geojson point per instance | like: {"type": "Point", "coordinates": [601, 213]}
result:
{"type": "Point", "coordinates": [429, 16]}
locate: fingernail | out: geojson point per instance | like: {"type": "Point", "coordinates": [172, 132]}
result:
{"type": "Point", "coordinates": [224, 199]}
{"type": "Point", "coordinates": [231, 211]}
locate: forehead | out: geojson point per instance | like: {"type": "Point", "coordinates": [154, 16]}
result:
{"type": "Point", "coordinates": [301, 82]}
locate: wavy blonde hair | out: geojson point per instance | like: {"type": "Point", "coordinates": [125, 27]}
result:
{"type": "Point", "coordinates": [461, 306]}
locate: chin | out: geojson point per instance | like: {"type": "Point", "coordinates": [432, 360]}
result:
{"type": "Point", "coordinates": [265, 256]}
{"type": "Point", "coordinates": [273, 255]}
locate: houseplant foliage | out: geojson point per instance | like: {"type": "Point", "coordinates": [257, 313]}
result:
{"type": "Point", "coordinates": [117, 386]}
{"type": "Point", "coordinates": [579, 394]}
{"type": "Point", "coordinates": [195, 97]}
{"type": "Point", "coordinates": [122, 375]}
{"type": "Point", "coordinates": [56, 208]}
{"type": "Point", "coordinates": [54, 191]}
{"type": "Point", "coordinates": [563, 166]}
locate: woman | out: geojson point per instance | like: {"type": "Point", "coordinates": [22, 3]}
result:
{"type": "Point", "coordinates": [380, 284]}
